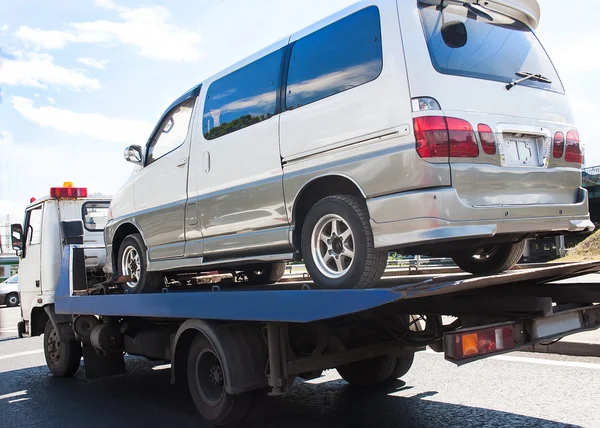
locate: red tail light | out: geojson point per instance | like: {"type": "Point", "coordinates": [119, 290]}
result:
{"type": "Point", "coordinates": [573, 149]}
{"type": "Point", "coordinates": [473, 343]}
{"type": "Point", "coordinates": [431, 133]}
{"type": "Point", "coordinates": [488, 143]}
{"type": "Point", "coordinates": [68, 192]}
{"type": "Point", "coordinates": [558, 145]}
{"type": "Point", "coordinates": [439, 136]}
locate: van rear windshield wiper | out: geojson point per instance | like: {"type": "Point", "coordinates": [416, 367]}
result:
{"type": "Point", "coordinates": [524, 75]}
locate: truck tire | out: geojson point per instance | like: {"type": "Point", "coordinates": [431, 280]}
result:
{"type": "Point", "coordinates": [338, 246]}
{"type": "Point", "coordinates": [62, 358]}
{"type": "Point", "coordinates": [376, 371]}
{"type": "Point", "coordinates": [403, 365]}
{"type": "Point", "coordinates": [206, 382]}
{"type": "Point", "coordinates": [490, 260]}
{"type": "Point", "coordinates": [12, 300]}
{"type": "Point", "coordinates": [131, 261]}
{"type": "Point", "coordinates": [265, 274]}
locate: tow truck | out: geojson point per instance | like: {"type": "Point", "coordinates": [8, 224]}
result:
{"type": "Point", "coordinates": [228, 340]}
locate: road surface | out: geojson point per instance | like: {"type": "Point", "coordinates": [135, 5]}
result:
{"type": "Point", "coordinates": [518, 389]}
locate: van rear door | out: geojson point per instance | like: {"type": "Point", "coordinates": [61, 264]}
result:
{"type": "Point", "coordinates": [512, 146]}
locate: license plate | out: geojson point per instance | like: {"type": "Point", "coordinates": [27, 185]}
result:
{"type": "Point", "coordinates": [520, 153]}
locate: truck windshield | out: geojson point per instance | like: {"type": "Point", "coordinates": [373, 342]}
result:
{"type": "Point", "coordinates": [494, 49]}
{"type": "Point", "coordinates": [95, 215]}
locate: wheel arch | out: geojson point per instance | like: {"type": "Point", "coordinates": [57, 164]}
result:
{"type": "Point", "coordinates": [37, 321]}
{"type": "Point", "coordinates": [241, 348]}
{"type": "Point", "coordinates": [316, 189]}
{"type": "Point", "coordinates": [123, 231]}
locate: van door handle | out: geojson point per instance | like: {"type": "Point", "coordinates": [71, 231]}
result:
{"type": "Point", "coordinates": [182, 162]}
{"type": "Point", "coordinates": [206, 161]}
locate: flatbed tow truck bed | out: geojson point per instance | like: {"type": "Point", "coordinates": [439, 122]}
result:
{"type": "Point", "coordinates": [264, 337]}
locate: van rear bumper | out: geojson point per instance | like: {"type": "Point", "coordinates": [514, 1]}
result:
{"type": "Point", "coordinates": [436, 215]}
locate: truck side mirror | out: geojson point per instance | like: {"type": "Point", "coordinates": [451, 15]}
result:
{"type": "Point", "coordinates": [16, 236]}
{"type": "Point", "coordinates": [133, 154]}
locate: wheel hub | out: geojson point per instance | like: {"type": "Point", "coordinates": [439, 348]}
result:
{"type": "Point", "coordinates": [131, 266]}
{"type": "Point", "coordinates": [54, 347]}
{"type": "Point", "coordinates": [332, 246]}
{"type": "Point", "coordinates": [216, 375]}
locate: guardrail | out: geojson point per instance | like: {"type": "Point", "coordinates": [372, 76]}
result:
{"type": "Point", "coordinates": [591, 175]}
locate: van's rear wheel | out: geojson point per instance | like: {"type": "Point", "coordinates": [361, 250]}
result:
{"type": "Point", "coordinates": [338, 246]}
{"type": "Point", "coordinates": [206, 380]}
{"type": "Point", "coordinates": [264, 274]}
{"type": "Point", "coordinates": [491, 259]}
{"type": "Point", "coordinates": [62, 358]}
{"type": "Point", "coordinates": [131, 262]}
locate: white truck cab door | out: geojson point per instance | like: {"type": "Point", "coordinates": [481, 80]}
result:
{"type": "Point", "coordinates": [160, 187]}
{"type": "Point", "coordinates": [30, 264]}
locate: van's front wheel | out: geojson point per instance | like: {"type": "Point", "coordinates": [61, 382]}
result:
{"type": "Point", "coordinates": [491, 259]}
{"type": "Point", "coordinates": [338, 246]}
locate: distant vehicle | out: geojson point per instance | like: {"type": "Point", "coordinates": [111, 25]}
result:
{"type": "Point", "coordinates": [422, 127]}
{"type": "Point", "coordinates": [9, 291]}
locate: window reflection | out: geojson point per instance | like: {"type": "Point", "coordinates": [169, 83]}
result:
{"type": "Point", "coordinates": [173, 132]}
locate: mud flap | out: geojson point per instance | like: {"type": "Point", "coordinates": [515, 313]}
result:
{"type": "Point", "coordinates": [97, 366]}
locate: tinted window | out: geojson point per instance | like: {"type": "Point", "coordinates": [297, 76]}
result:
{"type": "Point", "coordinates": [336, 58]}
{"type": "Point", "coordinates": [95, 215]}
{"type": "Point", "coordinates": [243, 98]}
{"type": "Point", "coordinates": [494, 50]}
{"type": "Point", "coordinates": [173, 131]}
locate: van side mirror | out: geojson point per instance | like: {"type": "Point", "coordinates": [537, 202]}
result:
{"type": "Point", "coordinates": [133, 154]}
{"type": "Point", "coordinates": [454, 34]}
{"type": "Point", "coordinates": [16, 237]}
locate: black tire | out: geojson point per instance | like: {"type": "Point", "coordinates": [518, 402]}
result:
{"type": "Point", "coordinates": [403, 365]}
{"type": "Point", "coordinates": [205, 380]}
{"type": "Point", "coordinates": [495, 259]}
{"type": "Point", "coordinates": [147, 282]}
{"type": "Point", "coordinates": [373, 372]}
{"type": "Point", "coordinates": [368, 263]}
{"type": "Point", "coordinates": [63, 358]}
{"type": "Point", "coordinates": [264, 274]}
{"type": "Point", "coordinates": [12, 300]}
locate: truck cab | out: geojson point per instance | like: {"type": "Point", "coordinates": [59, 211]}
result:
{"type": "Point", "coordinates": [39, 244]}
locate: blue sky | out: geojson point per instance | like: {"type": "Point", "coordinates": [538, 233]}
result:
{"type": "Point", "coordinates": [82, 79]}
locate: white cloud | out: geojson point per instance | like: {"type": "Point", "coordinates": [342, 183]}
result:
{"type": "Point", "coordinates": [578, 56]}
{"type": "Point", "coordinates": [4, 28]}
{"type": "Point", "coordinates": [144, 28]}
{"type": "Point", "coordinates": [94, 63]}
{"type": "Point", "coordinates": [586, 116]}
{"type": "Point", "coordinates": [93, 125]}
{"type": "Point", "coordinates": [51, 100]}
{"type": "Point", "coordinates": [39, 71]}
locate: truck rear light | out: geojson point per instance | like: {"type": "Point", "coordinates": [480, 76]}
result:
{"type": "Point", "coordinates": [440, 137]}
{"type": "Point", "coordinates": [67, 191]}
{"type": "Point", "coordinates": [473, 343]}
{"type": "Point", "coordinates": [431, 133]}
{"type": "Point", "coordinates": [486, 136]}
{"type": "Point", "coordinates": [573, 149]}
{"type": "Point", "coordinates": [558, 145]}
{"type": "Point", "coordinates": [463, 143]}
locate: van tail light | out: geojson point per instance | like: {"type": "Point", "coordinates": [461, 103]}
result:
{"type": "Point", "coordinates": [558, 145]}
{"type": "Point", "coordinates": [573, 149]}
{"type": "Point", "coordinates": [459, 346]}
{"type": "Point", "coordinates": [486, 136]}
{"type": "Point", "coordinates": [440, 137]}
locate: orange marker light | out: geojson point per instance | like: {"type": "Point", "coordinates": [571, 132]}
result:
{"type": "Point", "coordinates": [469, 344]}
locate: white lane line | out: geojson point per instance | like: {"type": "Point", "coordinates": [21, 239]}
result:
{"type": "Point", "coordinates": [539, 361]}
{"type": "Point", "coordinates": [13, 394]}
{"type": "Point", "coordinates": [7, 329]}
{"type": "Point", "coordinates": [21, 354]}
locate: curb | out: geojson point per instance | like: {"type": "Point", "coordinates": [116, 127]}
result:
{"type": "Point", "coordinates": [575, 349]}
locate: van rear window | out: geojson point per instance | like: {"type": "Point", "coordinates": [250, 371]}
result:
{"type": "Point", "coordinates": [493, 50]}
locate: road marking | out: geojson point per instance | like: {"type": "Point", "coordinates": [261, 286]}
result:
{"type": "Point", "coordinates": [21, 354]}
{"type": "Point", "coordinates": [13, 394]}
{"type": "Point", "coordinates": [2, 330]}
{"type": "Point", "coordinates": [540, 361]}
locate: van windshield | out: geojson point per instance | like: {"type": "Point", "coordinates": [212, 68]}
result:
{"type": "Point", "coordinates": [493, 50]}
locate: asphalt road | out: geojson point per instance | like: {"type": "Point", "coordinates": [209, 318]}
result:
{"type": "Point", "coordinates": [518, 389]}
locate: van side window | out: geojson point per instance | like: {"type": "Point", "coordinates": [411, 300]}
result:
{"type": "Point", "coordinates": [341, 56]}
{"type": "Point", "coordinates": [33, 227]}
{"type": "Point", "coordinates": [173, 131]}
{"type": "Point", "coordinates": [243, 98]}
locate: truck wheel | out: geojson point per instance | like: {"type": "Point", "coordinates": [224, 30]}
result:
{"type": "Point", "coordinates": [12, 300]}
{"type": "Point", "coordinates": [265, 274]}
{"type": "Point", "coordinates": [491, 259]}
{"type": "Point", "coordinates": [62, 358]}
{"type": "Point", "coordinates": [376, 371]}
{"type": "Point", "coordinates": [207, 386]}
{"type": "Point", "coordinates": [132, 262]}
{"type": "Point", "coordinates": [403, 365]}
{"type": "Point", "coordinates": [337, 244]}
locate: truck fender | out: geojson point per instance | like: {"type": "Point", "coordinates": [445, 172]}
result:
{"type": "Point", "coordinates": [241, 347]}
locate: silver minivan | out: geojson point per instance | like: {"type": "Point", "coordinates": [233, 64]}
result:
{"type": "Point", "coordinates": [435, 127]}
